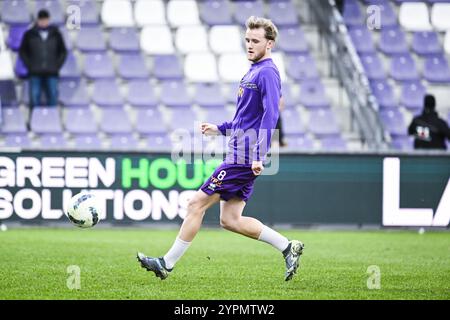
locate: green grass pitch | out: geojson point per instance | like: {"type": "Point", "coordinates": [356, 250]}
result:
{"type": "Point", "coordinates": [223, 265]}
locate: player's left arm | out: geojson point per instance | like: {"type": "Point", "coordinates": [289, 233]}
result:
{"type": "Point", "coordinates": [270, 88]}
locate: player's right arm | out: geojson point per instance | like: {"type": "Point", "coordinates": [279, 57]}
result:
{"type": "Point", "coordinates": [209, 129]}
{"type": "Point", "coordinates": [224, 127]}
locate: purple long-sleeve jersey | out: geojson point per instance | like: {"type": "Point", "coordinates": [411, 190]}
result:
{"type": "Point", "coordinates": [256, 115]}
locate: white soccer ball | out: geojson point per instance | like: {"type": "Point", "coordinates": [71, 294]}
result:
{"type": "Point", "coordinates": [83, 210]}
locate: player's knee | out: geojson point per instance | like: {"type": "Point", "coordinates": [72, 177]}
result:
{"type": "Point", "coordinates": [228, 223]}
{"type": "Point", "coordinates": [194, 206]}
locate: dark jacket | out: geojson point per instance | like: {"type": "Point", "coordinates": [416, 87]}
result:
{"type": "Point", "coordinates": [430, 131]}
{"type": "Point", "coordinates": [43, 58]}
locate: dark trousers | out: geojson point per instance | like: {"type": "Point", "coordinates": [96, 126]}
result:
{"type": "Point", "coordinates": [46, 84]}
{"type": "Point", "coordinates": [280, 131]}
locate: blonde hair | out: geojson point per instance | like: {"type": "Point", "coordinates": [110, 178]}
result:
{"type": "Point", "coordinates": [271, 31]}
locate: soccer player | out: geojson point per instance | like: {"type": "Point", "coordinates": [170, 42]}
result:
{"type": "Point", "coordinates": [231, 184]}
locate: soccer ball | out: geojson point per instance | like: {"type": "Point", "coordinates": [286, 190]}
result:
{"type": "Point", "coordinates": [83, 211]}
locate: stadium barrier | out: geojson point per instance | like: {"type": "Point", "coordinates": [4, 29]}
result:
{"type": "Point", "coordinates": [309, 189]}
{"type": "Point", "coordinates": [347, 66]}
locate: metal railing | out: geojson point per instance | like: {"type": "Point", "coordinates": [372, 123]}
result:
{"type": "Point", "coordinates": [347, 66]}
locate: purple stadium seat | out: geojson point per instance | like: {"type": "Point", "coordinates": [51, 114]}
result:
{"type": "Point", "coordinates": [70, 69]}
{"type": "Point", "coordinates": [291, 122]}
{"type": "Point", "coordinates": [402, 143]}
{"type": "Point", "coordinates": [214, 12]}
{"type": "Point", "coordinates": [115, 121]}
{"type": "Point", "coordinates": [436, 69]}
{"type": "Point", "coordinates": [398, 2]}
{"type": "Point", "coordinates": [91, 39]}
{"type": "Point", "coordinates": [232, 94]}
{"type": "Point", "coordinates": [184, 120]}
{"type": "Point", "coordinates": [141, 94]}
{"type": "Point", "coordinates": [89, 11]}
{"type": "Point", "coordinates": [394, 122]}
{"type": "Point", "coordinates": [54, 7]}
{"type": "Point", "coordinates": [53, 141]}
{"type": "Point", "coordinates": [216, 115]}
{"type": "Point", "coordinates": [373, 66]}
{"type": "Point", "coordinates": [8, 94]}
{"type": "Point", "coordinates": [80, 121]}
{"type": "Point", "coordinates": [244, 9]}
{"type": "Point", "coordinates": [174, 94]}
{"type": "Point", "coordinates": [15, 35]}
{"type": "Point", "coordinates": [336, 143]}
{"type": "Point", "coordinates": [352, 13]}
{"type": "Point", "coordinates": [283, 13]}
{"type": "Point", "coordinates": [124, 40]}
{"type": "Point", "coordinates": [301, 67]}
{"type": "Point", "coordinates": [167, 67]}
{"type": "Point", "coordinates": [384, 94]}
{"type": "Point", "coordinates": [20, 69]}
{"type": "Point", "coordinates": [107, 94]}
{"type": "Point", "coordinates": [46, 120]}
{"type": "Point", "coordinates": [98, 66]}
{"type": "Point", "coordinates": [387, 14]}
{"type": "Point", "coordinates": [150, 121]}
{"type": "Point", "coordinates": [312, 95]}
{"type": "Point", "coordinates": [159, 142]}
{"type": "Point", "coordinates": [132, 66]}
{"type": "Point", "coordinates": [323, 123]}
{"type": "Point", "coordinates": [73, 93]}
{"type": "Point", "coordinates": [15, 12]}
{"type": "Point", "coordinates": [66, 38]}
{"type": "Point", "coordinates": [403, 68]}
{"type": "Point", "coordinates": [209, 95]}
{"type": "Point", "coordinates": [362, 39]}
{"type": "Point", "coordinates": [426, 43]}
{"type": "Point", "coordinates": [17, 140]}
{"type": "Point", "coordinates": [87, 142]}
{"type": "Point", "coordinates": [292, 40]}
{"type": "Point", "coordinates": [290, 99]}
{"type": "Point", "coordinates": [412, 96]}
{"type": "Point", "coordinates": [369, 2]}
{"type": "Point", "coordinates": [392, 41]}
{"type": "Point", "coordinates": [123, 141]}
{"type": "Point", "coordinates": [298, 143]}
{"type": "Point", "coordinates": [373, 2]}
{"type": "Point", "coordinates": [13, 121]}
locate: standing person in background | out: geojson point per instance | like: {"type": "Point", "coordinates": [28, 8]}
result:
{"type": "Point", "coordinates": [279, 126]}
{"type": "Point", "coordinates": [43, 52]}
{"type": "Point", "coordinates": [429, 130]}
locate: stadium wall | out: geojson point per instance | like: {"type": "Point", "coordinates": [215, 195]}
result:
{"type": "Point", "coordinates": [309, 189]}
